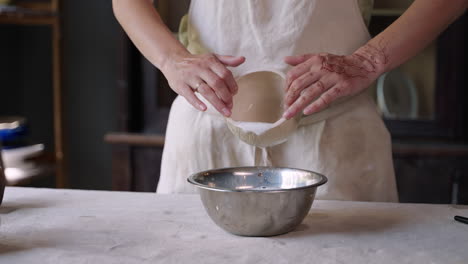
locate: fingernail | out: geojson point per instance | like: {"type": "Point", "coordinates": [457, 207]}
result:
{"type": "Point", "coordinates": [287, 115]}
{"type": "Point", "coordinates": [226, 112]}
{"type": "Point", "coordinates": [201, 107]}
{"type": "Point", "coordinates": [308, 111]}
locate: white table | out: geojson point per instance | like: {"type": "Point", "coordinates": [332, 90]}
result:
{"type": "Point", "coordinates": [65, 226]}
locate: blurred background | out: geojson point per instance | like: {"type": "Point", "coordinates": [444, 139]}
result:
{"type": "Point", "coordinates": [81, 108]}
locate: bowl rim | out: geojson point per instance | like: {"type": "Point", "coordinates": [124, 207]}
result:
{"type": "Point", "coordinates": [191, 180]}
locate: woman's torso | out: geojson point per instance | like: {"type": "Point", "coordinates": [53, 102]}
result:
{"type": "Point", "coordinates": [265, 31]}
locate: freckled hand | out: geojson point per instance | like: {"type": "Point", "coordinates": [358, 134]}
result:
{"type": "Point", "coordinates": [317, 80]}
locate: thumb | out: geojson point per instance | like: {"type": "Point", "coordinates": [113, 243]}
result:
{"type": "Point", "coordinates": [295, 60]}
{"type": "Point", "coordinates": [232, 61]}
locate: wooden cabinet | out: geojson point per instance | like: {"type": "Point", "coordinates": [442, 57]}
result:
{"type": "Point", "coordinates": [45, 14]}
{"type": "Point", "coordinates": [144, 103]}
{"type": "Point", "coordinates": [431, 173]}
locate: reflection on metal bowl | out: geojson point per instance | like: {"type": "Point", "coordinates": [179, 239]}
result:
{"type": "Point", "coordinates": [257, 201]}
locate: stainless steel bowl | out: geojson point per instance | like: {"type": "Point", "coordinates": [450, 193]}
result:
{"type": "Point", "coordinates": [257, 201]}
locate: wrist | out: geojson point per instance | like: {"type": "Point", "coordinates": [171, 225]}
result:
{"type": "Point", "coordinates": [172, 57]}
{"type": "Point", "coordinates": [375, 58]}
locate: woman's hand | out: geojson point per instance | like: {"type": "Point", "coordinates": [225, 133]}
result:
{"type": "Point", "coordinates": [185, 72]}
{"type": "Point", "coordinates": [317, 80]}
{"type": "Point", "coordinates": [206, 74]}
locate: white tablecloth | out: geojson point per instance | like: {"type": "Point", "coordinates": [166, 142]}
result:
{"type": "Point", "coordinates": [65, 226]}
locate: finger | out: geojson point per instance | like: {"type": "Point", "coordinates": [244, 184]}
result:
{"type": "Point", "coordinates": [324, 100]}
{"type": "Point", "coordinates": [295, 73]}
{"type": "Point", "coordinates": [190, 96]}
{"type": "Point", "coordinates": [217, 85]}
{"type": "Point", "coordinates": [232, 61]}
{"type": "Point", "coordinates": [314, 63]}
{"type": "Point", "coordinates": [307, 96]}
{"type": "Point", "coordinates": [299, 85]}
{"type": "Point", "coordinates": [296, 60]}
{"type": "Point", "coordinates": [198, 83]}
{"type": "Point", "coordinates": [210, 95]}
{"type": "Point", "coordinates": [226, 76]}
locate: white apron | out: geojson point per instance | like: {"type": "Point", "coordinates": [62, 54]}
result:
{"type": "Point", "coordinates": [347, 142]}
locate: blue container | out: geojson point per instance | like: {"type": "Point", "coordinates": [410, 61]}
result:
{"type": "Point", "coordinates": [12, 131]}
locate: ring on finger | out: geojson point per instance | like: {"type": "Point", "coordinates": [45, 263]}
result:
{"type": "Point", "coordinates": [195, 89]}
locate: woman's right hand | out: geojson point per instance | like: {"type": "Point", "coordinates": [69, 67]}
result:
{"type": "Point", "coordinates": [206, 74]}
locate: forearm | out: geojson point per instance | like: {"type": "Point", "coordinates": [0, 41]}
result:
{"type": "Point", "coordinates": [411, 33]}
{"type": "Point", "coordinates": [144, 26]}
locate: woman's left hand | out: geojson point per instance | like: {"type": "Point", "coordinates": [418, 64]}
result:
{"type": "Point", "coordinates": [317, 80]}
